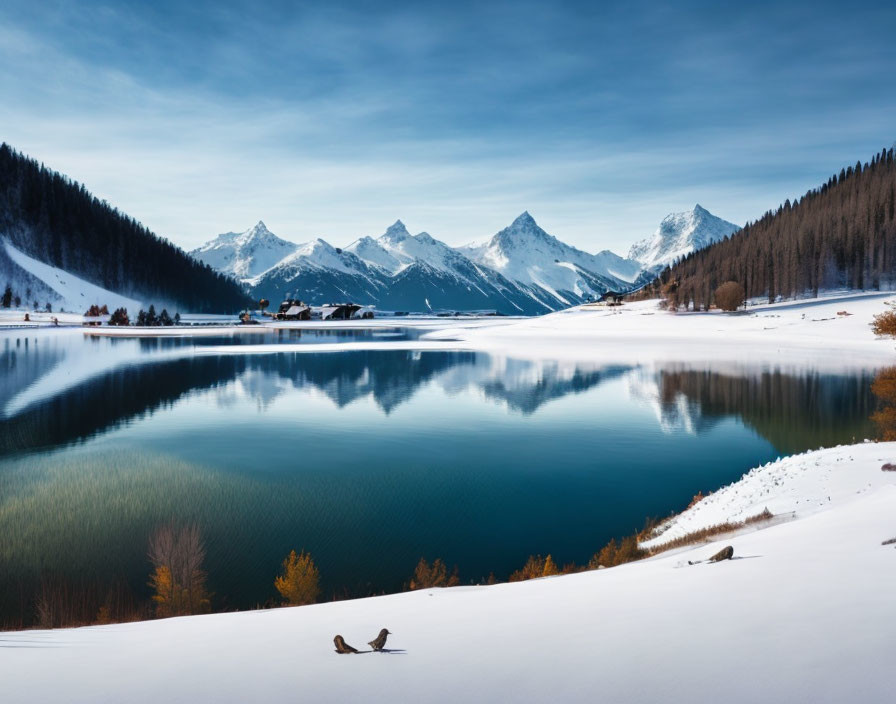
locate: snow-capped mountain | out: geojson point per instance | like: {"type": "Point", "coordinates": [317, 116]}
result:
{"type": "Point", "coordinates": [678, 235]}
{"type": "Point", "coordinates": [372, 252]}
{"type": "Point", "coordinates": [527, 255]}
{"type": "Point", "coordinates": [520, 270]}
{"type": "Point", "coordinates": [396, 271]}
{"type": "Point", "coordinates": [318, 272]}
{"type": "Point", "coordinates": [244, 255]}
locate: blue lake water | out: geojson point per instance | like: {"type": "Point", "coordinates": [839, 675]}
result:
{"type": "Point", "coordinates": [367, 459]}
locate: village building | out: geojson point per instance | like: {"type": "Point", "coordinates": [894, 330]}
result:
{"type": "Point", "coordinates": [335, 311]}
{"type": "Point", "coordinates": [292, 309]}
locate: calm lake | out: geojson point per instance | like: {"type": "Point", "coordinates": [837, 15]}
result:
{"type": "Point", "coordinates": [368, 459]}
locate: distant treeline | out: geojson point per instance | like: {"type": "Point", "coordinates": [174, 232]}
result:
{"type": "Point", "coordinates": [842, 234]}
{"type": "Point", "coordinates": [56, 220]}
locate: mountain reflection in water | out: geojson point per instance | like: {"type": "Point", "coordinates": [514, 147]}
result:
{"type": "Point", "coordinates": [368, 459]}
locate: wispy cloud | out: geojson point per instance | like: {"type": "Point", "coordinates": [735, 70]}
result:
{"type": "Point", "coordinates": [205, 117]}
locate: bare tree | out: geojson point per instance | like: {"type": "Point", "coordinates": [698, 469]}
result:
{"type": "Point", "coordinates": [177, 555]}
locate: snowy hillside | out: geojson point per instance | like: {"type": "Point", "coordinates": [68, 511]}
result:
{"type": "Point", "coordinates": [424, 248]}
{"type": "Point", "coordinates": [803, 613]}
{"type": "Point", "coordinates": [49, 284]}
{"type": "Point", "coordinates": [526, 254]}
{"type": "Point", "coordinates": [244, 255]}
{"type": "Point", "coordinates": [678, 235]}
{"type": "Point", "coordinates": [372, 252]}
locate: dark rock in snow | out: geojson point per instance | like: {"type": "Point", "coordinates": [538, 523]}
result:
{"type": "Point", "coordinates": [725, 553]}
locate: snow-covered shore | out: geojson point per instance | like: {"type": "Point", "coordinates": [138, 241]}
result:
{"type": "Point", "coordinates": [804, 613]}
{"type": "Point", "coordinates": [832, 332]}
{"type": "Point", "coordinates": [792, 487]}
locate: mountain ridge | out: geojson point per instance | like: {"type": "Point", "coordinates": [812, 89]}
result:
{"type": "Point", "coordinates": [521, 269]}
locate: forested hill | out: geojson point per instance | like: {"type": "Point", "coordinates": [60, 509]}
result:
{"type": "Point", "coordinates": [841, 235]}
{"type": "Point", "coordinates": [57, 221]}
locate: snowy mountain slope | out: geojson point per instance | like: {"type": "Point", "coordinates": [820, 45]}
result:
{"type": "Point", "coordinates": [65, 290]}
{"type": "Point", "coordinates": [372, 252]}
{"type": "Point", "coordinates": [317, 272]}
{"type": "Point", "coordinates": [520, 270]}
{"type": "Point", "coordinates": [678, 235]}
{"type": "Point", "coordinates": [526, 254]}
{"type": "Point", "coordinates": [804, 613]}
{"type": "Point", "coordinates": [244, 255]}
{"type": "Point", "coordinates": [409, 249]}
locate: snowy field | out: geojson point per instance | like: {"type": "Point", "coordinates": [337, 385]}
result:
{"type": "Point", "coordinates": [804, 613]}
{"type": "Point", "coordinates": [810, 331]}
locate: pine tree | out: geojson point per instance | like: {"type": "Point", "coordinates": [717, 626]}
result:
{"type": "Point", "coordinates": [59, 221]}
{"type": "Point", "coordinates": [842, 234]}
{"type": "Point", "coordinates": [6, 301]}
{"type": "Point", "coordinates": [119, 317]}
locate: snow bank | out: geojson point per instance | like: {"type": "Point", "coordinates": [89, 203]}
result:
{"type": "Point", "coordinates": [805, 332]}
{"type": "Point", "coordinates": [804, 613]}
{"type": "Point", "coordinates": [795, 486]}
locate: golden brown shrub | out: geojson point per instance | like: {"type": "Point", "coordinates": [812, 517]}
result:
{"type": "Point", "coordinates": [730, 296]}
{"type": "Point", "coordinates": [300, 581]}
{"type": "Point", "coordinates": [427, 576]}
{"type": "Point", "coordinates": [885, 324]}
{"type": "Point", "coordinates": [536, 566]}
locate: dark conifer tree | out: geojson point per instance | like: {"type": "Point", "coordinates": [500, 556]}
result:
{"type": "Point", "coordinates": [842, 234]}
{"type": "Point", "coordinates": [58, 221]}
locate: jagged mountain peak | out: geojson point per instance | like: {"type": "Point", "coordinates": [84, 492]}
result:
{"type": "Point", "coordinates": [396, 232]}
{"type": "Point", "coordinates": [245, 254]}
{"type": "Point", "coordinates": [521, 268]}
{"type": "Point", "coordinates": [524, 219]}
{"type": "Point", "coordinates": [678, 235]}
{"type": "Point", "coordinates": [524, 222]}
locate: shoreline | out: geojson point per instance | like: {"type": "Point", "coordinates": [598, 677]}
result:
{"type": "Point", "coordinates": [584, 621]}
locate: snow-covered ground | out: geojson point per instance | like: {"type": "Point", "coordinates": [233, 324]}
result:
{"type": "Point", "coordinates": [804, 613]}
{"type": "Point", "coordinates": [809, 331]}
{"type": "Point", "coordinates": [831, 333]}
{"type": "Point", "coordinates": [74, 293]}
{"type": "Point", "coordinates": [792, 487]}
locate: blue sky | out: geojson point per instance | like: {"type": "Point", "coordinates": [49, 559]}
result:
{"type": "Point", "coordinates": [334, 119]}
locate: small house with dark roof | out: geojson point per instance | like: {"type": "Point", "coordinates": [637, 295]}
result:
{"type": "Point", "coordinates": [335, 311]}
{"type": "Point", "coordinates": [292, 309]}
